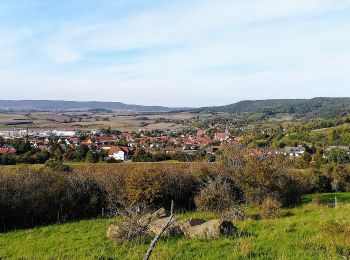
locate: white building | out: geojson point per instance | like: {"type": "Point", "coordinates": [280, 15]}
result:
{"type": "Point", "coordinates": [119, 153]}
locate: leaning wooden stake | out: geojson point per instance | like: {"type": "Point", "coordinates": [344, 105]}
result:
{"type": "Point", "coordinates": [170, 221]}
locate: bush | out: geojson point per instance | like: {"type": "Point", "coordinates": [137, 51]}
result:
{"type": "Point", "coordinates": [235, 213]}
{"type": "Point", "coordinates": [145, 187]}
{"type": "Point", "coordinates": [180, 187]}
{"type": "Point", "coordinates": [341, 178]}
{"type": "Point", "coordinates": [30, 157]}
{"type": "Point", "coordinates": [57, 166]}
{"type": "Point", "coordinates": [215, 195]}
{"type": "Point", "coordinates": [271, 177]}
{"type": "Point", "coordinates": [323, 183]}
{"type": "Point", "coordinates": [91, 157]}
{"type": "Point", "coordinates": [44, 196]}
{"type": "Point", "coordinates": [338, 155]}
{"type": "Point", "coordinates": [131, 229]}
{"type": "Point", "coordinates": [112, 160]}
{"type": "Point", "coordinates": [8, 159]}
{"type": "Point", "coordinates": [270, 208]}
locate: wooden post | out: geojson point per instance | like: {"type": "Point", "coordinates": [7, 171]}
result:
{"type": "Point", "coordinates": [335, 202]}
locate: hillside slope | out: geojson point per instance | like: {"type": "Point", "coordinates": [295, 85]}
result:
{"type": "Point", "coordinates": [307, 232]}
{"type": "Point", "coordinates": [320, 106]}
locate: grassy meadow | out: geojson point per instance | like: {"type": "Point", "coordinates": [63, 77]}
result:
{"type": "Point", "coordinates": [340, 197]}
{"type": "Point", "coordinates": [307, 232]}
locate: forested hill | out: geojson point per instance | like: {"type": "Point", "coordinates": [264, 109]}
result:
{"type": "Point", "coordinates": [58, 105]}
{"type": "Point", "coordinates": [319, 106]}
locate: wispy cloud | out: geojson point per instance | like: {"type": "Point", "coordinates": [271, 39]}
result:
{"type": "Point", "coordinates": [183, 23]}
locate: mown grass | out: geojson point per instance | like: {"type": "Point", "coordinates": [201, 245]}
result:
{"type": "Point", "coordinates": [307, 232]}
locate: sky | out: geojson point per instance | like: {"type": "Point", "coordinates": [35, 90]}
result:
{"type": "Point", "coordinates": [174, 52]}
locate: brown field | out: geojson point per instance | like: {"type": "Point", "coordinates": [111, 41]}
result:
{"type": "Point", "coordinates": [93, 121]}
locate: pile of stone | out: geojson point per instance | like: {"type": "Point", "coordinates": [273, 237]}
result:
{"type": "Point", "coordinates": [191, 228]}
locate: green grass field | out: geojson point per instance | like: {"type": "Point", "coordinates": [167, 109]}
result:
{"type": "Point", "coordinates": [341, 197]}
{"type": "Point", "coordinates": [307, 232]}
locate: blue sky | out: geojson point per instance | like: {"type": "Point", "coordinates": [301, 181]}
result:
{"type": "Point", "coordinates": [174, 53]}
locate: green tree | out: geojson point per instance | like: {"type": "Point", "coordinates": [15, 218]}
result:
{"type": "Point", "coordinates": [81, 152]}
{"type": "Point", "coordinates": [338, 155]}
{"type": "Point", "coordinates": [91, 157]}
{"type": "Point", "coordinates": [341, 178]}
{"type": "Point", "coordinates": [21, 146]}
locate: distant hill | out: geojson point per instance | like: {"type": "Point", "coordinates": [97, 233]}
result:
{"type": "Point", "coordinates": [57, 105]}
{"type": "Point", "coordinates": [320, 106]}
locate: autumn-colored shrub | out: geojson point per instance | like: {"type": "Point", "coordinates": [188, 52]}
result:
{"type": "Point", "coordinates": [38, 195]}
{"type": "Point", "coordinates": [270, 208]}
{"type": "Point", "coordinates": [127, 184]}
{"type": "Point", "coordinates": [216, 195]}
{"type": "Point", "coordinates": [271, 177]}
{"type": "Point", "coordinates": [145, 186]}
{"type": "Point", "coordinates": [131, 229]}
{"type": "Point", "coordinates": [234, 213]}
{"type": "Point", "coordinates": [41, 196]}
{"type": "Point", "coordinates": [340, 178]}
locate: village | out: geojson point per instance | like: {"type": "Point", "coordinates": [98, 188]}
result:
{"type": "Point", "coordinates": [117, 146]}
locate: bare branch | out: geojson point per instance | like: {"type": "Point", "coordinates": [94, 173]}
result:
{"type": "Point", "coordinates": [170, 221]}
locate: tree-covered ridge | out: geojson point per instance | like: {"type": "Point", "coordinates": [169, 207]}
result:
{"type": "Point", "coordinates": [60, 105]}
{"type": "Point", "coordinates": [320, 106]}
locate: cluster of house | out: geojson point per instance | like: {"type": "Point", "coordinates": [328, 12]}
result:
{"type": "Point", "coordinates": [287, 151]}
{"type": "Point", "coordinates": [293, 152]}
{"type": "Point", "coordinates": [189, 144]}
{"type": "Point", "coordinates": [162, 142]}
{"type": "Point", "coordinates": [22, 133]}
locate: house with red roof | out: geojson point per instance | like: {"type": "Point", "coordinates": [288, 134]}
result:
{"type": "Point", "coordinates": [222, 136]}
{"type": "Point", "coordinates": [201, 132]}
{"type": "Point", "coordinates": [120, 153]}
{"type": "Point", "coordinates": [105, 140]}
{"type": "Point", "coordinates": [5, 150]}
{"type": "Point", "coordinates": [88, 143]}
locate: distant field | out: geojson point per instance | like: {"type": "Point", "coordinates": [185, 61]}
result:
{"type": "Point", "coordinates": [46, 120]}
{"type": "Point", "coordinates": [304, 233]}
